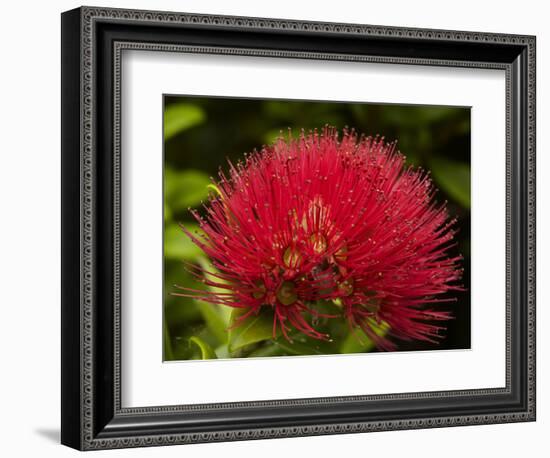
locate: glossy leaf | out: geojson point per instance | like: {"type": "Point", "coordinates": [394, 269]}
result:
{"type": "Point", "coordinates": [301, 344]}
{"type": "Point", "coordinates": [222, 352]}
{"type": "Point", "coordinates": [177, 245]}
{"type": "Point", "coordinates": [180, 310]}
{"type": "Point", "coordinates": [168, 353]}
{"type": "Point", "coordinates": [206, 350]}
{"type": "Point", "coordinates": [306, 347]}
{"type": "Point", "coordinates": [359, 342]}
{"type": "Point", "coordinates": [167, 213]}
{"type": "Point", "coordinates": [253, 329]}
{"type": "Point", "coordinates": [271, 349]}
{"type": "Point", "coordinates": [209, 270]}
{"type": "Point", "coordinates": [185, 189]}
{"type": "Point", "coordinates": [180, 117]}
{"type": "Point", "coordinates": [452, 177]}
{"type": "Point", "coordinates": [214, 320]}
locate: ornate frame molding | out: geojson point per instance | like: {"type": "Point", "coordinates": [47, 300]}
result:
{"type": "Point", "coordinates": [84, 23]}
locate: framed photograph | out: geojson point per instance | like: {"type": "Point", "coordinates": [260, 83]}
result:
{"type": "Point", "coordinates": [276, 228]}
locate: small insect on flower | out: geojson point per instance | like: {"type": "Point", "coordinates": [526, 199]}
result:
{"type": "Point", "coordinates": [329, 217]}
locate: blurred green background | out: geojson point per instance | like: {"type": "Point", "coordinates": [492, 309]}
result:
{"type": "Point", "coordinates": [201, 133]}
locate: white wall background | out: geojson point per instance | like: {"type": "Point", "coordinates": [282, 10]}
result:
{"type": "Point", "coordinates": [30, 228]}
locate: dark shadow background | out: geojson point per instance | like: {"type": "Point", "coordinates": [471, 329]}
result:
{"type": "Point", "coordinates": [201, 133]}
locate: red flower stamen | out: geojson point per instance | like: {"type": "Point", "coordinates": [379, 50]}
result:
{"type": "Point", "coordinates": [340, 219]}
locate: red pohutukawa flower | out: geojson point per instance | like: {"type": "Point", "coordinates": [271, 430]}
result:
{"type": "Point", "coordinates": [323, 218]}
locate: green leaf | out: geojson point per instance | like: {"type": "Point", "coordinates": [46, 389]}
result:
{"type": "Point", "coordinates": [184, 189]}
{"type": "Point", "coordinates": [180, 117]}
{"type": "Point", "coordinates": [303, 348]}
{"type": "Point", "coordinates": [359, 342]}
{"type": "Point", "coordinates": [222, 352]}
{"type": "Point", "coordinates": [180, 310]}
{"type": "Point", "coordinates": [452, 177]}
{"type": "Point", "coordinates": [215, 316]}
{"type": "Point", "coordinates": [167, 213]}
{"type": "Point", "coordinates": [271, 136]}
{"type": "Point", "coordinates": [253, 329]}
{"type": "Point", "coordinates": [214, 319]}
{"type": "Point", "coordinates": [206, 350]}
{"type": "Point", "coordinates": [271, 349]}
{"type": "Point", "coordinates": [224, 312]}
{"type": "Point", "coordinates": [301, 344]}
{"type": "Point", "coordinates": [177, 245]}
{"type": "Point", "coordinates": [168, 353]}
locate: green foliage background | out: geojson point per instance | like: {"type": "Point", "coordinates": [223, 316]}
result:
{"type": "Point", "coordinates": [201, 133]}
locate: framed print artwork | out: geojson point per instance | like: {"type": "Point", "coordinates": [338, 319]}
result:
{"type": "Point", "coordinates": [277, 228]}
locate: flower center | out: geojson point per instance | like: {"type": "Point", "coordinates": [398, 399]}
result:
{"type": "Point", "coordinates": [292, 257]}
{"type": "Point", "coordinates": [287, 293]}
{"type": "Point", "coordinates": [341, 254]}
{"type": "Point", "coordinates": [318, 242]}
{"type": "Point", "coordinates": [260, 290]}
{"type": "Point", "coordinates": [372, 306]}
{"type": "Point", "coordinates": [346, 287]}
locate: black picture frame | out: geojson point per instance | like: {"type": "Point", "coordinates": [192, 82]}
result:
{"type": "Point", "coordinates": [92, 40]}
